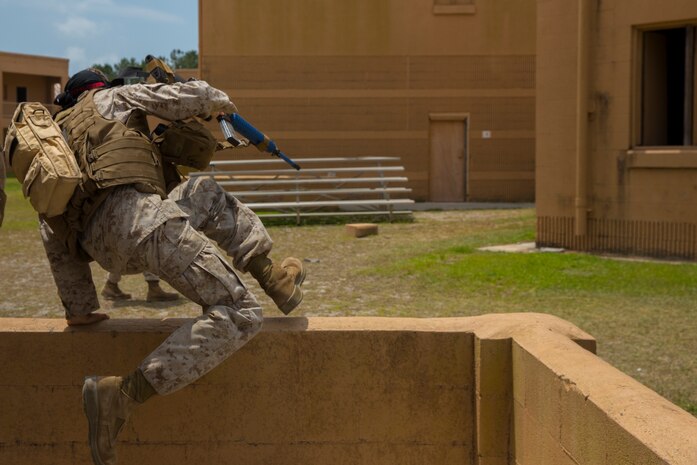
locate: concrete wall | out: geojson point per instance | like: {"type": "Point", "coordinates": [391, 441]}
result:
{"type": "Point", "coordinates": [365, 78]}
{"type": "Point", "coordinates": [490, 390]}
{"type": "Point", "coordinates": [572, 408]}
{"type": "Point", "coordinates": [597, 187]}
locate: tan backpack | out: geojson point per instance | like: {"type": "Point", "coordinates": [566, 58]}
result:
{"type": "Point", "coordinates": [41, 159]}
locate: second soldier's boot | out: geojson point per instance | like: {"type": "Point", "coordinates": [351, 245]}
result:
{"type": "Point", "coordinates": [280, 282]}
{"type": "Point", "coordinates": [157, 294]}
{"type": "Point", "coordinates": [111, 291]}
{"type": "Point", "coordinates": [107, 409]}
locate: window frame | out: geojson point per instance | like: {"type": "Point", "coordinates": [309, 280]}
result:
{"type": "Point", "coordinates": [637, 92]}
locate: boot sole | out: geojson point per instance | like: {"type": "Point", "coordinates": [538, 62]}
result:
{"type": "Point", "coordinates": [297, 296]}
{"type": "Point", "coordinates": [293, 302]}
{"type": "Point", "coordinates": [90, 403]}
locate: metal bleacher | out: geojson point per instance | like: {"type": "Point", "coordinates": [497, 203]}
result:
{"type": "Point", "coordinates": [339, 186]}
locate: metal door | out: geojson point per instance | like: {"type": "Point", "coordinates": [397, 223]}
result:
{"type": "Point", "coordinates": [448, 166]}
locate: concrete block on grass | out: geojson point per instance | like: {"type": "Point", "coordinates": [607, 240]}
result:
{"type": "Point", "coordinates": [361, 229]}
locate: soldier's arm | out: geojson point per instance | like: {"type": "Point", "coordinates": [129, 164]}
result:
{"type": "Point", "coordinates": [73, 279]}
{"type": "Point", "coordinates": [170, 102]}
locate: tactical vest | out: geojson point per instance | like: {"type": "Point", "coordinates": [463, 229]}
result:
{"type": "Point", "coordinates": [109, 154]}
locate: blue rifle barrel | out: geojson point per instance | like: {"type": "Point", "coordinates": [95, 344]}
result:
{"type": "Point", "coordinates": [259, 139]}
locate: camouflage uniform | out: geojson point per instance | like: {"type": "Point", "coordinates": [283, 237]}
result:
{"type": "Point", "coordinates": [133, 232]}
{"type": "Point", "coordinates": [114, 277]}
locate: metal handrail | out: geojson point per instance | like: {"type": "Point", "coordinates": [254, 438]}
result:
{"type": "Point", "coordinates": [364, 185]}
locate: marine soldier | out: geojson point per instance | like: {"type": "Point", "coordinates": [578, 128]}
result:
{"type": "Point", "coordinates": [122, 217]}
{"type": "Point", "coordinates": [112, 291]}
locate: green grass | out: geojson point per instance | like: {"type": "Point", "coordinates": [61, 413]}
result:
{"type": "Point", "coordinates": [643, 313]}
{"type": "Point", "coordinates": [19, 215]}
{"type": "Point", "coordinates": [547, 273]}
{"type": "Point", "coordinates": [271, 222]}
{"type": "Point", "coordinates": [692, 408]}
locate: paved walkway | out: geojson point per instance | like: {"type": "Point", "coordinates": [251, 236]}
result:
{"type": "Point", "coordinates": [521, 247]}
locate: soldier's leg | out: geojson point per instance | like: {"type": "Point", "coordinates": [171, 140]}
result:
{"type": "Point", "coordinates": [150, 277]}
{"type": "Point", "coordinates": [155, 291]}
{"type": "Point", "coordinates": [241, 234]}
{"type": "Point", "coordinates": [231, 317]}
{"type": "Point", "coordinates": [73, 280]}
{"type": "Point", "coordinates": [223, 219]}
{"type": "Point", "coordinates": [111, 289]}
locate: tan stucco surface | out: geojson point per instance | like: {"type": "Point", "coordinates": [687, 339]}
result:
{"type": "Point", "coordinates": [363, 78]}
{"type": "Point", "coordinates": [635, 200]}
{"type": "Point", "coordinates": [495, 389]}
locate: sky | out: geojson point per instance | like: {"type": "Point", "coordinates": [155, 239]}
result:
{"type": "Point", "coordinates": [98, 31]}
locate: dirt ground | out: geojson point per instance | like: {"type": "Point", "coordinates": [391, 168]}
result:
{"type": "Point", "coordinates": [336, 283]}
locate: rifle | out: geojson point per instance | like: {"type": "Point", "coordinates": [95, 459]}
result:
{"type": "Point", "coordinates": [159, 71]}
{"type": "Point", "coordinates": [234, 122]}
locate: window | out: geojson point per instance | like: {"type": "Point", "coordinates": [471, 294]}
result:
{"type": "Point", "coordinates": [56, 90]}
{"type": "Point", "coordinates": [668, 87]}
{"type": "Point", "coordinates": [453, 7]}
{"type": "Point", "coordinates": [21, 94]}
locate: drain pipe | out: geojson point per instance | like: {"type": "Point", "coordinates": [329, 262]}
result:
{"type": "Point", "coordinates": [582, 92]}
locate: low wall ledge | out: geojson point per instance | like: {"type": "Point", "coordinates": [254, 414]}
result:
{"type": "Point", "coordinates": [491, 326]}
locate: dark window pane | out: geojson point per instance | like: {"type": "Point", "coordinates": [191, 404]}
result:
{"type": "Point", "coordinates": [664, 102]}
{"type": "Point", "coordinates": [21, 94]}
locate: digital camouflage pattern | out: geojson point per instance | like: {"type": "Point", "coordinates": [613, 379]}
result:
{"type": "Point", "coordinates": [133, 232]}
{"type": "Point", "coordinates": [114, 277]}
{"type": "Point", "coordinates": [170, 102]}
{"type": "Point", "coordinates": [201, 344]}
{"type": "Point", "coordinates": [223, 218]}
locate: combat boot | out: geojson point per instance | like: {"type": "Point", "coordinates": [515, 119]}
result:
{"type": "Point", "coordinates": [281, 283]}
{"type": "Point", "coordinates": [111, 291]}
{"type": "Point", "coordinates": [157, 294]}
{"type": "Point", "coordinates": [107, 409]}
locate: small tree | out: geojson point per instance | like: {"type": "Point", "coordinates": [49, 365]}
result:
{"type": "Point", "coordinates": [177, 60]}
{"type": "Point", "coordinates": [183, 60]}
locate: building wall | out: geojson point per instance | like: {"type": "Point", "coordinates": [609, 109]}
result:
{"type": "Point", "coordinates": [38, 74]}
{"type": "Point", "coordinates": [365, 78]}
{"type": "Point", "coordinates": [617, 196]}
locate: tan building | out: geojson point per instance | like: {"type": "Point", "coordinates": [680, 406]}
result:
{"type": "Point", "coordinates": [447, 85]}
{"type": "Point", "coordinates": [29, 78]}
{"type": "Point", "coordinates": [616, 126]}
